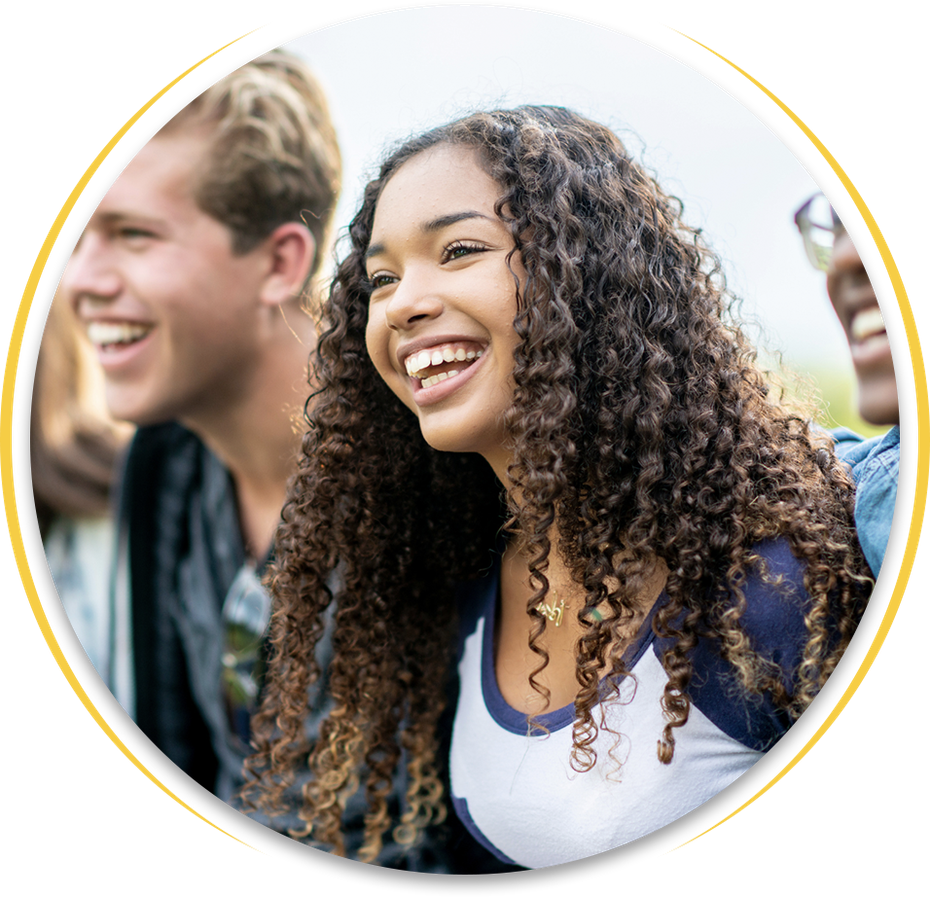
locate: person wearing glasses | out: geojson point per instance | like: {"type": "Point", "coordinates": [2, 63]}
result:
{"type": "Point", "coordinates": [874, 461]}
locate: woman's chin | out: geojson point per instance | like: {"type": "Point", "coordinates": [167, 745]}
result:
{"type": "Point", "coordinates": [453, 437]}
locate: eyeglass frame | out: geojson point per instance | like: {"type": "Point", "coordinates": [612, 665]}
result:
{"type": "Point", "coordinates": [819, 255]}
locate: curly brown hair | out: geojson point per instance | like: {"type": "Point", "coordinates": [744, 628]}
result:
{"type": "Point", "coordinates": [641, 430]}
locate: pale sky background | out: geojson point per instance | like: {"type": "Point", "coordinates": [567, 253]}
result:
{"type": "Point", "coordinates": [395, 74]}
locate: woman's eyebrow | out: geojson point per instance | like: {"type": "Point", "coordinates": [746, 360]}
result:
{"type": "Point", "coordinates": [445, 220]}
{"type": "Point", "coordinates": [430, 227]}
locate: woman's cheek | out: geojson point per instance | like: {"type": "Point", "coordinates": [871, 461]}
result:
{"type": "Point", "coordinates": [380, 355]}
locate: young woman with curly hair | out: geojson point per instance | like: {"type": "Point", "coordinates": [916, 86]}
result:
{"type": "Point", "coordinates": [539, 457]}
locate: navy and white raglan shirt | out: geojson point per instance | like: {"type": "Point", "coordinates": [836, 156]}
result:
{"type": "Point", "coordinates": [514, 788]}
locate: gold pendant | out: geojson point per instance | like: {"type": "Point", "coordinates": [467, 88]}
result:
{"type": "Point", "coordinates": [552, 612]}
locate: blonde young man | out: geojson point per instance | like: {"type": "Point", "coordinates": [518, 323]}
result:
{"type": "Point", "coordinates": [189, 281]}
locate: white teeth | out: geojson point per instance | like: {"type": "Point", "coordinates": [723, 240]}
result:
{"type": "Point", "coordinates": [107, 333]}
{"type": "Point", "coordinates": [438, 378]}
{"type": "Point", "coordinates": [418, 362]}
{"type": "Point", "coordinates": [867, 323]}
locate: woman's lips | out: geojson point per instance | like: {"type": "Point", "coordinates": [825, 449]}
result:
{"type": "Point", "coordinates": [438, 367]}
{"type": "Point", "coordinates": [449, 377]}
{"type": "Point", "coordinates": [441, 355]}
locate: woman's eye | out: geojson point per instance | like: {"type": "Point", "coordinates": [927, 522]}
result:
{"type": "Point", "coordinates": [376, 281]}
{"type": "Point", "coordinates": [460, 250]}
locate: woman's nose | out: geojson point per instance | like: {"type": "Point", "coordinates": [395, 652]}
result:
{"type": "Point", "coordinates": [415, 299]}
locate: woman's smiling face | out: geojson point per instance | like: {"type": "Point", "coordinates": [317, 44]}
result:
{"type": "Point", "coordinates": [440, 320]}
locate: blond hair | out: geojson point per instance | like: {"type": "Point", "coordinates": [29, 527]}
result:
{"type": "Point", "coordinates": [272, 155]}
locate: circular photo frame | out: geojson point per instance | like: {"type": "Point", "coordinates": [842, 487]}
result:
{"type": "Point", "coordinates": [739, 185]}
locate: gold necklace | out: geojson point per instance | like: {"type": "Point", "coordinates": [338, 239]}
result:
{"type": "Point", "coordinates": [552, 612]}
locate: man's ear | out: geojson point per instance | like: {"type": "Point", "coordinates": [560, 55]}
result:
{"type": "Point", "coordinates": [291, 249]}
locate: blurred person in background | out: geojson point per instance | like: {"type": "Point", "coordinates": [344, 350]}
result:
{"type": "Point", "coordinates": [74, 449]}
{"type": "Point", "coordinates": [188, 282]}
{"type": "Point", "coordinates": [874, 461]}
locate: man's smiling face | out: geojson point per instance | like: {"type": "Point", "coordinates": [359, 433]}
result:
{"type": "Point", "coordinates": [853, 298]}
{"type": "Point", "coordinates": [168, 306]}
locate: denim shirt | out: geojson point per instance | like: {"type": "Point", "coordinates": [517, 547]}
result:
{"type": "Point", "coordinates": [874, 464]}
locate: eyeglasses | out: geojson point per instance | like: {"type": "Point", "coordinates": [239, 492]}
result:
{"type": "Point", "coordinates": [819, 226]}
{"type": "Point", "coordinates": [246, 612]}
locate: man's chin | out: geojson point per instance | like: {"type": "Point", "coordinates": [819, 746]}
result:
{"type": "Point", "coordinates": [129, 410]}
{"type": "Point", "coordinates": [878, 402]}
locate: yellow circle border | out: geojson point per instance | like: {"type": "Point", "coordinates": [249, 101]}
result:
{"type": "Point", "coordinates": [8, 390]}
{"type": "Point", "coordinates": [6, 437]}
{"type": "Point", "coordinates": [921, 484]}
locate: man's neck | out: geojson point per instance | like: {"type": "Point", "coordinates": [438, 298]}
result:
{"type": "Point", "coordinates": [258, 438]}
